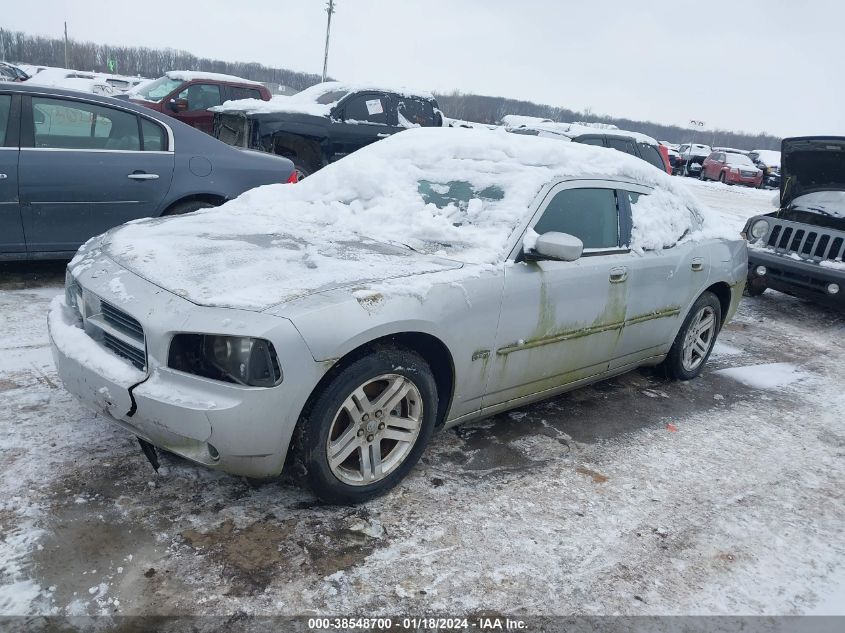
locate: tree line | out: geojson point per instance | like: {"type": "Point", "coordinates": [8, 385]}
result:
{"type": "Point", "coordinates": [154, 62]}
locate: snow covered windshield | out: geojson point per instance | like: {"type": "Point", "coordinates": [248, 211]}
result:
{"type": "Point", "coordinates": [740, 160]}
{"type": "Point", "coordinates": [158, 89]}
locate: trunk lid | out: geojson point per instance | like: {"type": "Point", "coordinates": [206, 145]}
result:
{"type": "Point", "coordinates": [810, 164]}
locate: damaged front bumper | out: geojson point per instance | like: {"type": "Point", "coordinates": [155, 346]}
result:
{"type": "Point", "coordinates": [802, 278]}
{"type": "Point", "coordinates": [238, 429]}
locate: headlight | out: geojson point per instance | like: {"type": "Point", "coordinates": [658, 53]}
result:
{"type": "Point", "coordinates": [238, 359]}
{"type": "Point", "coordinates": [759, 229]}
{"type": "Point", "coordinates": [73, 293]}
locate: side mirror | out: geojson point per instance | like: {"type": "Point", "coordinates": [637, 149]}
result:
{"type": "Point", "coordinates": [560, 246]}
{"type": "Point", "coordinates": [178, 105]}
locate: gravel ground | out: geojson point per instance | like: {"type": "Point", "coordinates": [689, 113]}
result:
{"type": "Point", "coordinates": [635, 496]}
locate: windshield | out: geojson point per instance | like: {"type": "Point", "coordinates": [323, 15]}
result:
{"type": "Point", "coordinates": [740, 160]}
{"type": "Point", "coordinates": [158, 89]}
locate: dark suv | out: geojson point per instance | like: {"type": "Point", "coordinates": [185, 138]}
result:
{"type": "Point", "coordinates": [323, 123]}
{"type": "Point", "coordinates": [187, 96]}
{"type": "Point", "coordinates": [799, 248]}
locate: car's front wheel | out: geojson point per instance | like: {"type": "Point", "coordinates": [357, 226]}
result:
{"type": "Point", "coordinates": [695, 340]}
{"type": "Point", "coordinates": [368, 427]}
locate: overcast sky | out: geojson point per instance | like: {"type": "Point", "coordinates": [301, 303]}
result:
{"type": "Point", "coordinates": [773, 65]}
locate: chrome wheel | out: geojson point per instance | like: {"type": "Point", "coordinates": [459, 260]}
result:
{"type": "Point", "coordinates": [699, 338]}
{"type": "Point", "coordinates": [374, 429]}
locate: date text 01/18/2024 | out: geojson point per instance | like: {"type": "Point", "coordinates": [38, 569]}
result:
{"type": "Point", "coordinates": [419, 623]}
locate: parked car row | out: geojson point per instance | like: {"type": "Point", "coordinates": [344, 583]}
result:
{"type": "Point", "coordinates": [76, 164]}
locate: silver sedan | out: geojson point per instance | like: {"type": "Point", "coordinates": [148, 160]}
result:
{"type": "Point", "coordinates": [335, 324]}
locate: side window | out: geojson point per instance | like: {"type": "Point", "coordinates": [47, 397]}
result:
{"type": "Point", "coordinates": [153, 135]}
{"type": "Point", "coordinates": [370, 108]}
{"type": "Point", "coordinates": [622, 144]}
{"type": "Point", "coordinates": [68, 124]}
{"type": "Point", "coordinates": [415, 112]}
{"type": "Point", "coordinates": [201, 96]}
{"type": "Point", "coordinates": [588, 214]}
{"type": "Point", "coordinates": [591, 140]}
{"type": "Point", "coordinates": [652, 155]}
{"type": "Point", "coordinates": [5, 107]}
{"type": "Point", "coordinates": [236, 92]}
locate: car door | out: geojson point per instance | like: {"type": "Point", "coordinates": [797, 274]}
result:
{"type": "Point", "coordinates": [85, 168]}
{"type": "Point", "coordinates": [361, 119]}
{"type": "Point", "coordinates": [662, 284]}
{"type": "Point", "coordinates": [707, 165]}
{"type": "Point", "coordinates": [200, 97]}
{"type": "Point", "coordinates": [560, 322]}
{"type": "Point", "coordinates": [11, 228]}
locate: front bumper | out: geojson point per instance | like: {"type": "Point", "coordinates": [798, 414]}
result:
{"type": "Point", "coordinates": [796, 277]}
{"type": "Point", "coordinates": [739, 179]}
{"type": "Point", "coordinates": [240, 430]}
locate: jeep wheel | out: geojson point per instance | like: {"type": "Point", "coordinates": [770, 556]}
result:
{"type": "Point", "coordinates": [695, 340]}
{"type": "Point", "coordinates": [368, 427]}
{"type": "Point", "coordinates": [302, 170]}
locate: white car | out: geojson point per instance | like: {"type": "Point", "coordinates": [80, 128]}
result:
{"type": "Point", "coordinates": [435, 277]}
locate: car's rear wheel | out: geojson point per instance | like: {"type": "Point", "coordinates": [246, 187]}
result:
{"type": "Point", "coordinates": [695, 340]}
{"type": "Point", "coordinates": [181, 208]}
{"type": "Point", "coordinates": [302, 170]}
{"type": "Point", "coordinates": [722, 178]}
{"type": "Point", "coordinates": [701, 174]}
{"type": "Point", "coordinates": [368, 427]}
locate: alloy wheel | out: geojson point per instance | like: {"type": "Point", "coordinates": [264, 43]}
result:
{"type": "Point", "coordinates": [374, 429]}
{"type": "Point", "coordinates": [699, 338]}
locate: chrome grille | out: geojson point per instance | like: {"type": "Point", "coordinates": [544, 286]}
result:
{"type": "Point", "coordinates": [122, 321]}
{"type": "Point", "coordinates": [137, 357]}
{"type": "Point", "coordinates": [808, 242]}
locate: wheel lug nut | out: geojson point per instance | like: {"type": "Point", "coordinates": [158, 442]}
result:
{"type": "Point", "coordinates": [379, 413]}
{"type": "Point", "coordinates": [360, 432]}
{"type": "Point", "coordinates": [369, 438]}
{"type": "Point", "coordinates": [366, 417]}
{"type": "Point", "coordinates": [381, 426]}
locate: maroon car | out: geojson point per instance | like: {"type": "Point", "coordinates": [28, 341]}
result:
{"type": "Point", "coordinates": [187, 95]}
{"type": "Point", "coordinates": [731, 169]}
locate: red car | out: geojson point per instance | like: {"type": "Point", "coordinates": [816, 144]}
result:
{"type": "Point", "coordinates": [187, 96]}
{"type": "Point", "coordinates": [731, 169]}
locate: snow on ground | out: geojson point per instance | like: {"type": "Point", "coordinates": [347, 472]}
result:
{"type": "Point", "coordinates": [634, 496]}
{"type": "Point", "coordinates": [765, 376]}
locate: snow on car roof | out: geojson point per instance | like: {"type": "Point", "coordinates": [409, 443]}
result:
{"type": "Point", "coordinates": [455, 193]}
{"type": "Point", "coordinates": [312, 100]}
{"type": "Point", "coordinates": [769, 157]}
{"type": "Point", "coordinates": [572, 130]}
{"type": "Point", "coordinates": [190, 75]}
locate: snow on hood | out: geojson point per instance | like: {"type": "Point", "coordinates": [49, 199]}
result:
{"type": "Point", "coordinates": [318, 100]}
{"type": "Point", "coordinates": [830, 203]}
{"type": "Point", "coordinates": [450, 194]}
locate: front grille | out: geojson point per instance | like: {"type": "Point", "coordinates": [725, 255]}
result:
{"type": "Point", "coordinates": [807, 242]}
{"type": "Point", "coordinates": [122, 321]}
{"type": "Point", "coordinates": [137, 357]}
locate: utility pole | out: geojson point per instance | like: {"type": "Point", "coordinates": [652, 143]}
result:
{"type": "Point", "coordinates": [66, 62]}
{"type": "Point", "coordinates": [329, 10]}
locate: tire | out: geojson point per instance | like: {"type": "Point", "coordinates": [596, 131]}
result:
{"type": "Point", "coordinates": [754, 289]}
{"type": "Point", "coordinates": [702, 176]}
{"type": "Point", "coordinates": [678, 365]}
{"type": "Point", "coordinates": [181, 208]}
{"type": "Point", "coordinates": [331, 424]}
{"type": "Point", "coordinates": [303, 170]}
{"type": "Point", "coordinates": [722, 178]}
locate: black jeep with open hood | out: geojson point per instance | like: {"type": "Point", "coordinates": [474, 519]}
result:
{"type": "Point", "coordinates": [799, 249]}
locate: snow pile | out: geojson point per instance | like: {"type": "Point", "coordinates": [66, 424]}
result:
{"type": "Point", "coordinates": [765, 376]}
{"type": "Point", "coordinates": [830, 203]}
{"type": "Point", "coordinates": [317, 100]}
{"type": "Point", "coordinates": [452, 193]}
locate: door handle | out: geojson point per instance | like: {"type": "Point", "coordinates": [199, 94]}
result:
{"type": "Point", "coordinates": [143, 176]}
{"type": "Point", "coordinates": [3, 176]}
{"type": "Point", "coordinates": [618, 275]}
{"type": "Point", "coordinates": [383, 134]}
{"type": "Point", "coordinates": [697, 264]}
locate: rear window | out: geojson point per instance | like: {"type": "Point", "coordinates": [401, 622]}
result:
{"type": "Point", "coordinates": [651, 154]}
